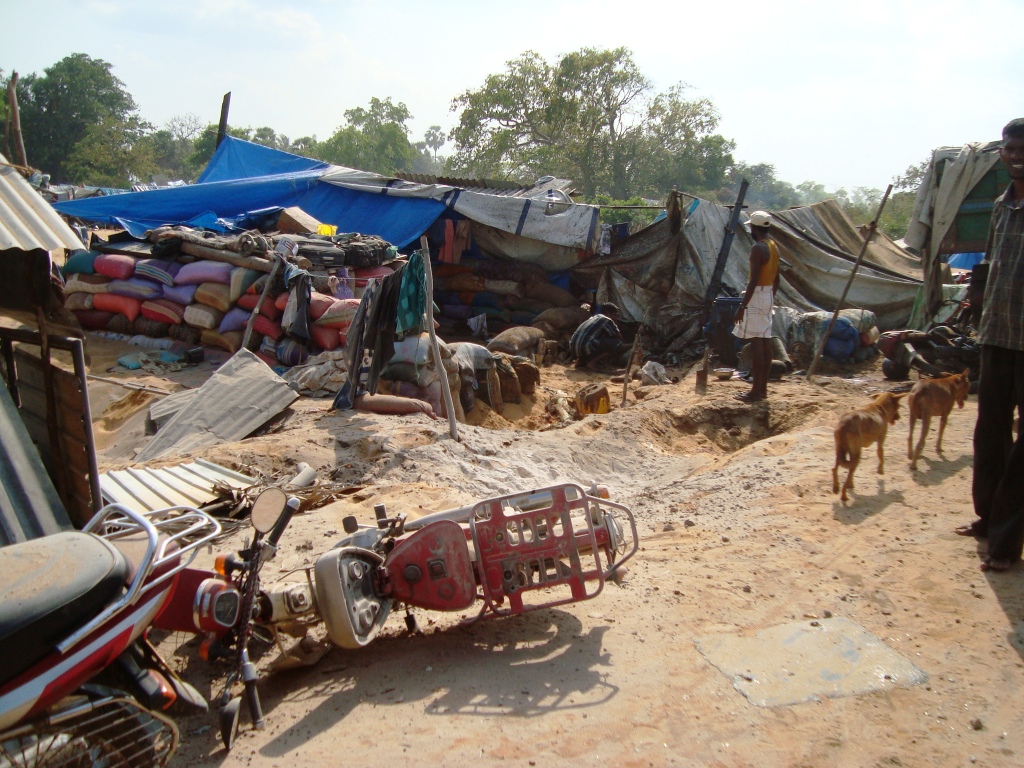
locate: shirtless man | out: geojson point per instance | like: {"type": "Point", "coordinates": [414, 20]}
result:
{"type": "Point", "coordinates": [754, 317]}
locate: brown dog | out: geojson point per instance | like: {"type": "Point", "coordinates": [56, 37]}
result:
{"type": "Point", "coordinates": [860, 428]}
{"type": "Point", "coordinates": [933, 397]}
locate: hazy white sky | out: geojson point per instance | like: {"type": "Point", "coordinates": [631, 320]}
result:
{"type": "Point", "coordinates": [843, 93]}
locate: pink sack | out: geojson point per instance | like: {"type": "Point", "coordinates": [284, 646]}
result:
{"type": "Point", "coordinates": [115, 265]}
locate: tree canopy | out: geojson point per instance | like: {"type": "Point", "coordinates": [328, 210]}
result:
{"type": "Point", "coordinates": [59, 107]}
{"type": "Point", "coordinates": [592, 116]}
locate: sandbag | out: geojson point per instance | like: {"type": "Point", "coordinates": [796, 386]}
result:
{"type": "Point", "coordinates": [124, 305]}
{"type": "Point", "coordinates": [235, 320]}
{"type": "Point", "coordinates": [157, 270]}
{"type": "Point", "coordinates": [563, 318]}
{"type": "Point", "coordinates": [504, 287]}
{"type": "Point", "coordinates": [154, 329]}
{"type": "Point", "coordinates": [517, 341]}
{"type": "Point", "coordinates": [93, 319]}
{"type": "Point", "coordinates": [116, 266]}
{"type": "Point", "coordinates": [181, 294]}
{"type": "Point", "coordinates": [136, 288]}
{"type": "Point", "coordinates": [163, 311]}
{"type": "Point", "coordinates": [464, 282]}
{"type": "Point", "coordinates": [324, 337]}
{"type": "Point", "coordinates": [528, 374]}
{"type": "Point", "coordinates": [84, 283]}
{"type": "Point", "coordinates": [319, 304]}
{"type": "Point", "coordinates": [80, 263]}
{"type": "Point", "coordinates": [203, 317]}
{"type": "Point", "coordinates": [391, 404]}
{"type": "Point", "coordinates": [552, 294]}
{"type": "Point", "coordinates": [204, 272]}
{"type": "Point", "coordinates": [230, 341]}
{"type": "Point", "coordinates": [339, 313]}
{"type": "Point", "coordinates": [268, 328]}
{"type": "Point", "coordinates": [216, 295]}
{"type": "Point", "coordinates": [78, 302]}
{"type": "Point", "coordinates": [420, 375]}
{"type": "Point", "coordinates": [240, 280]}
{"type": "Point", "coordinates": [268, 308]}
{"type": "Point", "coordinates": [186, 334]}
{"type": "Point", "coordinates": [121, 324]}
{"type": "Point", "coordinates": [472, 356]}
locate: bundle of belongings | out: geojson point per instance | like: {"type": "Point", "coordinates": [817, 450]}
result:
{"type": "Point", "coordinates": [198, 288]}
{"type": "Point", "coordinates": [506, 293]}
{"type": "Point", "coordinates": [938, 352]}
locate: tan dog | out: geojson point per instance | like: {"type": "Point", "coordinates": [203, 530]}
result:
{"type": "Point", "coordinates": [860, 428]}
{"type": "Point", "coordinates": [933, 397]}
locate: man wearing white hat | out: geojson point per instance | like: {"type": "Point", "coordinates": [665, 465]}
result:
{"type": "Point", "coordinates": [754, 317]}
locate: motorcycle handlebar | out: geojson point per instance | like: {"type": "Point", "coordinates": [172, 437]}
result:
{"type": "Point", "coordinates": [286, 517]}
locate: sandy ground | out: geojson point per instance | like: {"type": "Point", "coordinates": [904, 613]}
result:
{"type": "Point", "coordinates": [739, 531]}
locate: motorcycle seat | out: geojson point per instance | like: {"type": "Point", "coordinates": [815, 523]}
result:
{"type": "Point", "coordinates": [48, 588]}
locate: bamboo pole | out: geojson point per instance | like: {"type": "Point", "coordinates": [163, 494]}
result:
{"type": "Point", "coordinates": [259, 304]}
{"type": "Point", "coordinates": [853, 273]}
{"type": "Point", "coordinates": [446, 390]}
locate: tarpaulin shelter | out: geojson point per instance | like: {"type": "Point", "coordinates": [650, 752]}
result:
{"type": "Point", "coordinates": [243, 178]}
{"type": "Point", "coordinates": [660, 275]}
{"type": "Point", "coordinates": [953, 209]}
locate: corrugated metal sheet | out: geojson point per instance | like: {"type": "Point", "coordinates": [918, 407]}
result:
{"type": "Point", "coordinates": [192, 485]}
{"type": "Point", "coordinates": [29, 505]}
{"type": "Point", "coordinates": [27, 221]}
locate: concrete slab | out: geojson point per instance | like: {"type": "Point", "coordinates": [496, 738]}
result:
{"type": "Point", "coordinates": [803, 661]}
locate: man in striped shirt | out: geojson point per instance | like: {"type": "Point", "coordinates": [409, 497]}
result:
{"type": "Point", "coordinates": [598, 339]}
{"type": "Point", "coordinates": [998, 488]}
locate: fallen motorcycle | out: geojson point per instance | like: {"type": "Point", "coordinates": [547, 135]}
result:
{"type": "Point", "coordinates": [510, 554]}
{"type": "Point", "coordinates": [79, 682]}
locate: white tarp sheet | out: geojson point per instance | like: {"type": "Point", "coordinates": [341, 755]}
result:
{"type": "Point", "coordinates": [567, 224]}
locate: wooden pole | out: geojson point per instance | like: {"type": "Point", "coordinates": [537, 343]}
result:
{"type": "Point", "coordinates": [259, 304]}
{"type": "Point", "coordinates": [12, 103]}
{"type": "Point", "coordinates": [853, 273]}
{"type": "Point", "coordinates": [229, 257]}
{"type": "Point", "coordinates": [222, 127]}
{"type": "Point", "coordinates": [446, 390]}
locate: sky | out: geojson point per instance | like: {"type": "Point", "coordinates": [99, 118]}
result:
{"type": "Point", "coordinates": [845, 94]}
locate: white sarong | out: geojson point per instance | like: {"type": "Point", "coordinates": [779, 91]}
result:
{"type": "Point", "coordinates": [757, 318]}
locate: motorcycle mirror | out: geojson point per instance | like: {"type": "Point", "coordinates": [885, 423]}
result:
{"type": "Point", "coordinates": [267, 509]}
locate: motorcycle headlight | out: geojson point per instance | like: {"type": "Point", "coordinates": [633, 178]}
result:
{"type": "Point", "coordinates": [216, 607]}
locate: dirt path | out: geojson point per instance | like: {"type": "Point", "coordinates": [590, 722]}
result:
{"type": "Point", "coordinates": [740, 532]}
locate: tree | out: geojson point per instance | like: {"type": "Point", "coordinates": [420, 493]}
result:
{"type": "Point", "coordinates": [59, 108]}
{"type": "Point", "coordinates": [374, 139]}
{"type": "Point", "coordinates": [112, 154]}
{"type": "Point", "coordinates": [434, 139]}
{"type": "Point", "coordinates": [591, 115]}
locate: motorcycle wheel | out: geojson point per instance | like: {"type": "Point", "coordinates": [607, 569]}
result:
{"type": "Point", "coordinates": [109, 733]}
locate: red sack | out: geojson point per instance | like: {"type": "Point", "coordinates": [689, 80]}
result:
{"type": "Point", "coordinates": [267, 327]}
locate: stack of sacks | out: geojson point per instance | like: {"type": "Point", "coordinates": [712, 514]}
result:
{"type": "Point", "coordinates": [508, 293]}
{"type": "Point", "coordinates": [413, 372]}
{"type": "Point", "coordinates": [200, 302]}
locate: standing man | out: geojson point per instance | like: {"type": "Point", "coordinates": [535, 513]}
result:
{"type": "Point", "coordinates": [999, 460]}
{"type": "Point", "coordinates": [754, 317]}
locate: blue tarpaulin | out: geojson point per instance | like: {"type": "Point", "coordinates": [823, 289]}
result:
{"type": "Point", "coordinates": [243, 177]}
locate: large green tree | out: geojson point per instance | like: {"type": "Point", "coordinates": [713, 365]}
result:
{"type": "Point", "coordinates": [593, 116]}
{"type": "Point", "coordinates": [373, 139]}
{"type": "Point", "coordinates": [59, 107]}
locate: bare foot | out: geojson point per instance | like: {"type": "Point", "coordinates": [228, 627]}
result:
{"type": "Point", "coordinates": [975, 529]}
{"type": "Point", "coordinates": [748, 397]}
{"type": "Point", "coordinates": [996, 565]}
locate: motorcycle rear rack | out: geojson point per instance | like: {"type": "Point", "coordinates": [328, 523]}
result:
{"type": "Point", "coordinates": [558, 542]}
{"type": "Point", "coordinates": [172, 538]}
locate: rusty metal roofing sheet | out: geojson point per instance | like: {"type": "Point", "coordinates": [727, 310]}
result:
{"type": "Point", "coordinates": [27, 221]}
{"type": "Point", "coordinates": [193, 485]}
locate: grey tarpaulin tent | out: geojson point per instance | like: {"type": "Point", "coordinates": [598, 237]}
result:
{"type": "Point", "coordinates": [662, 272]}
